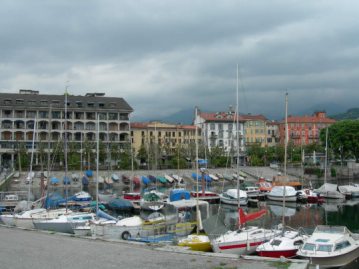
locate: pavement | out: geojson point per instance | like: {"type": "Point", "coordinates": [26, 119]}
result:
{"type": "Point", "coordinates": [37, 249]}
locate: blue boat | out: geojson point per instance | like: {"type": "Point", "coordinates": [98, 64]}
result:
{"type": "Point", "coordinates": [85, 180]}
{"type": "Point", "coordinates": [145, 180]}
{"type": "Point", "coordinates": [67, 181]}
{"type": "Point", "coordinates": [89, 173]}
{"type": "Point", "coordinates": [152, 178]}
{"type": "Point", "coordinates": [54, 180]}
{"type": "Point", "coordinates": [53, 200]}
{"type": "Point", "coordinates": [179, 194]}
{"type": "Point", "coordinates": [207, 178]}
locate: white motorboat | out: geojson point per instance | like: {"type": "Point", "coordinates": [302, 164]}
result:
{"type": "Point", "coordinates": [64, 223]}
{"type": "Point", "coordinates": [351, 190]}
{"type": "Point", "coordinates": [330, 246]}
{"type": "Point", "coordinates": [178, 178]}
{"type": "Point", "coordinates": [252, 191]}
{"type": "Point", "coordinates": [82, 196]}
{"type": "Point", "coordinates": [329, 190]}
{"type": "Point", "coordinates": [25, 219]}
{"type": "Point", "coordinates": [110, 229]}
{"type": "Point", "coordinates": [230, 196]}
{"type": "Point", "coordinates": [279, 193]}
{"type": "Point", "coordinates": [284, 245]}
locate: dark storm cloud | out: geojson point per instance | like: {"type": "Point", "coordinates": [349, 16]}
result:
{"type": "Point", "coordinates": [178, 54]}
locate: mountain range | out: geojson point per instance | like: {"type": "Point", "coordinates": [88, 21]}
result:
{"type": "Point", "coordinates": [186, 116]}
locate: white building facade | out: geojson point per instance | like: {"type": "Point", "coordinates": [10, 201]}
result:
{"type": "Point", "coordinates": [219, 129]}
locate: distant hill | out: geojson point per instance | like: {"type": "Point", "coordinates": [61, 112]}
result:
{"type": "Point", "coordinates": [184, 116]}
{"type": "Point", "coordinates": [351, 114]}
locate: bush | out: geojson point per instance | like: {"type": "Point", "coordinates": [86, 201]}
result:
{"type": "Point", "coordinates": [333, 172]}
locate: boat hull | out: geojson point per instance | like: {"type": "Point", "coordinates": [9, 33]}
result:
{"type": "Point", "coordinates": [8, 220]}
{"type": "Point", "coordinates": [196, 243]}
{"type": "Point", "coordinates": [290, 253]}
{"type": "Point", "coordinates": [237, 247]}
{"type": "Point", "coordinates": [59, 227]}
{"type": "Point", "coordinates": [280, 198]}
{"type": "Point", "coordinates": [333, 261]}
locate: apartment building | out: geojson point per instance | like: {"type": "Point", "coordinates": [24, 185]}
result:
{"type": "Point", "coordinates": [167, 137]}
{"type": "Point", "coordinates": [255, 130]}
{"type": "Point", "coordinates": [304, 130]}
{"type": "Point", "coordinates": [20, 111]}
{"type": "Point", "coordinates": [273, 137]}
{"type": "Point", "coordinates": [219, 130]}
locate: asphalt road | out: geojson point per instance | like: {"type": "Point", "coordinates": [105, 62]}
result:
{"type": "Point", "coordinates": [37, 250]}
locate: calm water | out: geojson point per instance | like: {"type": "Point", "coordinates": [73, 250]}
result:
{"type": "Point", "coordinates": [297, 215]}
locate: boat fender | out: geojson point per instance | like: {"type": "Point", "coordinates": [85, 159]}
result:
{"type": "Point", "coordinates": [125, 235]}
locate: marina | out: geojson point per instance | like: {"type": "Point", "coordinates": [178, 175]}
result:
{"type": "Point", "coordinates": [164, 228]}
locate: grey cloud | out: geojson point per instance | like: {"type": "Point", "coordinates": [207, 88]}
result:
{"type": "Point", "coordinates": [166, 56]}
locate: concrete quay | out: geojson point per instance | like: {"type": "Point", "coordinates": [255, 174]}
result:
{"type": "Point", "coordinates": [37, 249]}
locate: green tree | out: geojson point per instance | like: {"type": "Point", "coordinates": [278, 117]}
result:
{"type": "Point", "coordinates": [142, 155]}
{"type": "Point", "coordinates": [343, 138]}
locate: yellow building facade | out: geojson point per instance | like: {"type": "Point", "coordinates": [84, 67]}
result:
{"type": "Point", "coordinates": [164, 135]}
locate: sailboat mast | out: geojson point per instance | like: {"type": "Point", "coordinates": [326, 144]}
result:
{"type": "Point", "coordinates": [326, 155]}
{"type": "Point", "coordinates": [286, 134]}
{"type": "Point", "coordinates": [31, 162]}
{"type": "Point", "coordinates": [49, 145]}
{"type": "Point", "coordinates": [237, 137]}
{"type": "Point", "coordinates": [97, 159]}
{"type": "Point", "coordinates": [131, 180]}
{"type": "Point", "coordinates": [285, 155]}
{"type": "Point", "coordinates": [197, 189]}
{"type": "Point", "coordinates": [65, 150]}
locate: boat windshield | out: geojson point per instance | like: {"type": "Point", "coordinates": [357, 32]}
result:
{"type": "Point", "coordinates": [342, 245]}
{"type": "Point", "coordinates": [309, 246]}
{"type": "Point", "coordinates": [325, 248]}
{"type": "Point", "coordinates": [276, 242]}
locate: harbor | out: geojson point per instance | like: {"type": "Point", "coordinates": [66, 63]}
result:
{"type": "Point", "coordinates": [298, 215]}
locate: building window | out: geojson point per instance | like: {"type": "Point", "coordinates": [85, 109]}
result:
{"type": "Point", "coordinates": [56, 103]}
{"type": "Point", "coordinates": [19, 101]}
{"type": "Point", "coordinates": [101, 105]}
{"type": "Point", "coordinates": [7, 102]}
{"type": "Point", "coordinates": [79, 104]}
{"type": "Point", "coordinates": [212, 126]}
{"type": "Point", "coordinates": [31, 103]}
{"type": "Point", "coordinates": [112, 105]}
{"type": "Point", "coordinates": [43, 103]}
{"type": "Point", "coordinates": [112, 116]}
{"type": "Point", "coordinates": [91, 104]}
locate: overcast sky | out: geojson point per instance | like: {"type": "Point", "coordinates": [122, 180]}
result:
{"type": "Point", "coordinates": [165, 56]}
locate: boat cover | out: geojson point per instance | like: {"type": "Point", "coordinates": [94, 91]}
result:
{"type": "Point", "coordinates": [89, 173]}
{"type": "Point", "coordinates": [85, 180]}
{"type": "Point", "coordinates": [179, 194]}
{"type": "Point", "coordinates": [54, 180]}
{"type": "Point", "coordinates": [120, 204]}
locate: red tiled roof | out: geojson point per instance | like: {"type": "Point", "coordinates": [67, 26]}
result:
{"type": "Point", "coordinates": [253, 117]}
{"type": "Point", "coordinates": [145, 125]}
{"type": "Point", "coordinates": [308, 119]}
{"type": "Point", "coordinates": [135, 125]}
